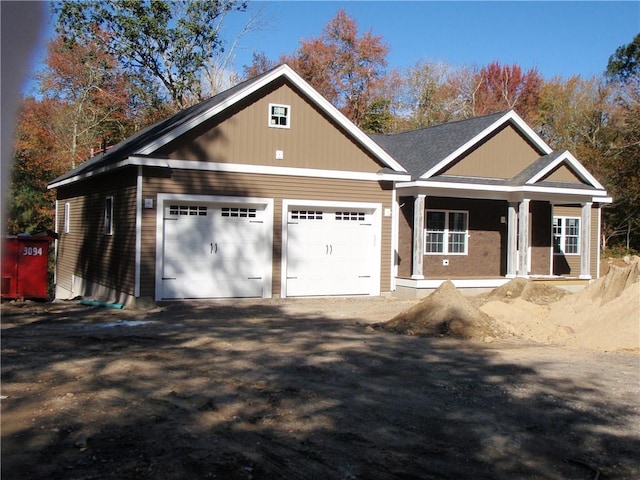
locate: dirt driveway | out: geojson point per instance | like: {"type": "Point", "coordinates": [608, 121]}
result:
{"type": "Point", "coordinates": [301, 390]}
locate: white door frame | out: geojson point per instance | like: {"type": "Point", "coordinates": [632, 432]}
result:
{"type": "Point", "coordinates": [376, 216]}
{"type": "Point", "coordinates": [164, 198]}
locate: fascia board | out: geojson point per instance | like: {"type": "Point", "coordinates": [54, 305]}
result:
{"type": "Point", "coordinates": [511, 115]}
{"type": "Point", "coordinates": [285, 171]}
{"type": "Point", "coordinates": [147, 162]}
{"type": "Point", "coordinates": [566, 156]}
{"type": "Point", "coordinates": [339, 117]}
{"type": "Point", "coordinates": [288, 72]}
{"type": "Point", "coordinates": [237, 168]}
{"type": "Point", "coordinates": [214, 110]}
{"type": "Point", "coordinates": [507, 189]}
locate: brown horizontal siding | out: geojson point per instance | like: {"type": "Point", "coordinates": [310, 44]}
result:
{"type": "Point", "coordinates": [273, 187]}
{"type": "Point", "coordinates": [563, 174]}
{"type": "Point", "coordinates": [86, 251]}
{"type": "Point", "coordinates": [486, 243]}
{"type": "Point", "coordinates": [312, 141]}
{"type": "Point", "coordinates": [502, 155]}
{"type": "Point", "coordinates": [541, 226]}
{"type": "Point", "coordinates": [571, 263]}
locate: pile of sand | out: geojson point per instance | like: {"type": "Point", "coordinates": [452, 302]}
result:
{"type": "Point", "coordinates": [524, 289]}
{"type": "Point", "coordinates": [605, 316]}
{"type": "Point", "coordinates": [444, 313]}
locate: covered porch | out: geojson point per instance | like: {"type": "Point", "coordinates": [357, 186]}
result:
{"type": "Point", "coordinates": [480, 236]}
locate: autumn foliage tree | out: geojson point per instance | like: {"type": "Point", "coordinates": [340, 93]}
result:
{"type": "Point", "coordinates": [347, 69]}
{"type": "Point", "coordinates": [83, 101]}
{"type": "Point", "coordinates": [37, 160]}
{"type": "Point", "coordinates": [502, 87]}
{"type": "Point", "coordinates": [93, 98]}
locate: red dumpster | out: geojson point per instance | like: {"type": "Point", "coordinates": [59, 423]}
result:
{"type": "Point", "coordinates": [25, 264]}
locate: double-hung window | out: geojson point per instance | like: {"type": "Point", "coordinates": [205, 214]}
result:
{"type": "Point", "coordinates": [566, 235]}
{"type": "Point", "coordinates": [446, 232]}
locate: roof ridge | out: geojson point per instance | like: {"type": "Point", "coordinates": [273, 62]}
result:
{"type": "Point", "coordinates": [447, 124]}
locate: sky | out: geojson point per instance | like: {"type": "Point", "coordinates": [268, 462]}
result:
{"type": "Point", "coordinates": [555, 37]}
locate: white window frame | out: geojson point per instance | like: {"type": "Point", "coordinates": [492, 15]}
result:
{"type": "Point", "coordinates": [273, 115]}
{"type": "Point", "coordinates": [67, 217]}
{"type": "Point", "coordinates": [445, 233]}
{"type": "Point", "coordinates": [562, 234]}
{"type": "Point", "coordinates": [108, 215]}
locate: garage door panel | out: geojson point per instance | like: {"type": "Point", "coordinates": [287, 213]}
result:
{"type": "Point", "coordinates": [214, 251]}
{"type": "Point", "coordinates": [331, 252]}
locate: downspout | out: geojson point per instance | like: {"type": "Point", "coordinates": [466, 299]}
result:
{"type": "Point", "coordinates": [138, 231]}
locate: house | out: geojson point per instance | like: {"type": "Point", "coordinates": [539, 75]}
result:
{"type": "Point", "coordinates": [488, 201]}
{"type": "Point", "coordinates": [263, 190]}
{"type": "Point", "coordinates": [267, 190]}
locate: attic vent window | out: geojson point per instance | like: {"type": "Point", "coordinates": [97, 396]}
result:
{"type": "Point", "coordinates": [279, 115]}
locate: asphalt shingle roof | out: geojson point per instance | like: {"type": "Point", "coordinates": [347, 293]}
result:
{"type": "Point", "coordinates": [422, 149]}
{"type": "Point", "coordinates": [140, 139]}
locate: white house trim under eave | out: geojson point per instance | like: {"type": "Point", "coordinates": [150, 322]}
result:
{"type": "Point", "coordinates": [508, 116]}
{"type": "Point", "coordinates": [597, 196]}
{"type": "Point", "coordinates": [566, 156]}
{"type": "Point", "coordinates": [285, 171]}
{"type": "Point", "coordinates": [288, 72]}
{"type": "Point", "coordinates": [238, 168]}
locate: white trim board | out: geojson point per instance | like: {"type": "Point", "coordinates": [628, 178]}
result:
{"type": "Point", "coordinates": [239, 168]}
{"type": "Point", "coordinates": [508, 116]}
{"type": "Point", "coordinates": [253, 86]}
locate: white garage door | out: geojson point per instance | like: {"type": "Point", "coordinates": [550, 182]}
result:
{"type": "Point", "coordinates": [214, 250]}
{"type": "Point", "coordinates": [331, 251]}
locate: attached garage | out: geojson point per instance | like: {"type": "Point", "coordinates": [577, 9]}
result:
{"type": "Point", "coordinates": [331, 249]}
{"type": "Point", "coordinates": [263, 190]}
{"type": "Point", "coordinates": [213, 247]}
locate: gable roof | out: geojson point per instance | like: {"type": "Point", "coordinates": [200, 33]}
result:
{"type": "Point", "coordinates": [138, 148]}
{"type": "Point", "coordinates": [427, 151]}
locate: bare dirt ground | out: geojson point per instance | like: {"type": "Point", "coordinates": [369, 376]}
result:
{"type": "Point", "coordinates": [301, 389]}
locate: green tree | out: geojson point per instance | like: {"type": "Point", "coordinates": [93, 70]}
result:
{"type": "Point", "coordinates": [622, 152]}
{"type": "Point", "coordinates": [164, 45]}
{"type": "Point", "coordinates": [625, 62]}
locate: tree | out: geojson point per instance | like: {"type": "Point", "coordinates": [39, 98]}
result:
{"type": "Point", "coordinates": [502, 87]}
{"type": "Point", "coordinates": [259, 65]}
{"type": "Point", "coordinates": [622, 165]}
{"type": "Point", "coordinates": [36, 162]}
{"type": "Point", "coordinates": [163, 45]}
{"type": "Point", "coordinates": [433, 94]}
{"type": "Point", "coordinates": [92, 95]}
{"type": "Point", "coordinates": [83, 102]}
{"type": "Point", "coordinates": [344, 67]}
{"type": "Point", "coordinates": [572, 113]}
{"type": "Point", "coordinates": [625, 62]}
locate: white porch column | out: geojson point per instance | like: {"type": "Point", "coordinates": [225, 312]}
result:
{"type": "Point", "coordinates": [418, 237]}
{"type": "Point", "coordinates": [523, 238]}
{"type": "Point", "coordinates": [512, 240]}
{"type": "Point", "coordinates": [585, 242]}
